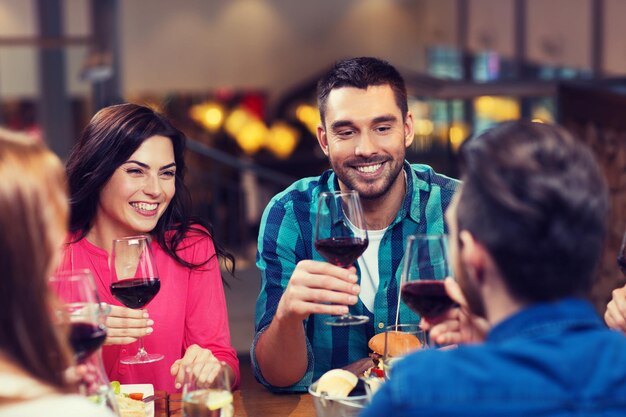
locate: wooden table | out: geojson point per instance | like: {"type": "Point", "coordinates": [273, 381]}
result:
{"type": "Point", "coordinates": [258, 402]}
{"type": "Point", "coordinates": [251, 400]}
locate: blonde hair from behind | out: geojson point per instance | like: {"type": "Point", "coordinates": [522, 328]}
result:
{"type": "Point", "coordinates": [33, 221]}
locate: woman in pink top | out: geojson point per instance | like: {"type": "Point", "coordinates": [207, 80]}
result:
{"type": "Point", "coordinates": [126, 178]}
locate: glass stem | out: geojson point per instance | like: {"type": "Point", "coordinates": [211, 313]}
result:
{"type": "Point", "coordinates": [141, 352]}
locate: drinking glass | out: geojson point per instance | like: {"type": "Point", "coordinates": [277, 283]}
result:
{"type": "Point", "coordinates": [425, 267]}
{"type": "Point", "coordinates": [341, 237]}
{"type": "Point", "coordinates": [621, 256]}
{"type": "Point", "coordinates": [396, 347]}
{"type": "Point", "coordinates": [135, 282]}
{"type": "Point", "coordinates": [80, 308]}
{"type": "Point", "coordinates": [211, 398]}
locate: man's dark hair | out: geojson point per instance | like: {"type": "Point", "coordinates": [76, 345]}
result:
{"type": "Point", "coordinates": [535, 197]}
{"type": "Point", "coordinates": [361, 73]}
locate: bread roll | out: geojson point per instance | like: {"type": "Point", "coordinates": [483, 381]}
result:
{"type": "Point", "coordinates": [337, 383]}
{"type": "Point", "coordinates": [399, 343]}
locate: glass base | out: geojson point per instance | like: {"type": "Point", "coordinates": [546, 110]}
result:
{"type": "Point", "coordinates": [346, 320]}
{"type": "Point", "coordinates": [141, 358]}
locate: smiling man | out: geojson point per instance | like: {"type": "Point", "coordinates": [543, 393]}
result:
{"type": "Point", "coordinates": [365, 130]}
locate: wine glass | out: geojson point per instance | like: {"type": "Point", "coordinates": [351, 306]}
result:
{"type": "Point", "coordinates": [621, 256]}
{"type": "Point", "coordinates": [80, 307]}
{"type": "Point", "coordinates": [135, 282]}
{"type": "Point", "coordinates": [341, 237]}
{"type": "Point", "coordinates": [208, 398]}
{"type": "Point", "coordinates": [425, 267]}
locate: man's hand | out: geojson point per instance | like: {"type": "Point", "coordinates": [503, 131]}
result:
{"type": "Point", "coordinates": [456, 325]}
{"type": "Point", "coordinates": [318, 288]}
{"type": "Point", "coordinates": [314, 288]}
{"type": "Point", "coordinates": [125, 325]}
{"type": "Point", "coordinates": [615, 315]}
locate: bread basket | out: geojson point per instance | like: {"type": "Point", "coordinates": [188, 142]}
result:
{"type": "Point", "coordinates": [326, 406]}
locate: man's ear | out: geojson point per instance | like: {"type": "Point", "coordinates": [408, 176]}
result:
{"type": "Point", "coordinates": [322, 139]}
{"type": "Point", "coordinates": [473, 255]}
{"type": "Point", "coordinates": [409, 133]}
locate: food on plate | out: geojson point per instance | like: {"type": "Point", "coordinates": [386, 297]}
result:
{"type": "Point", "coordinates": [400, 343]}
{"type": "Point", "coordinates": [372, 384]}
{"type": "Point", "coordinates": [336, 383]}
{"type": "Point", "coordinates": [130, 405]}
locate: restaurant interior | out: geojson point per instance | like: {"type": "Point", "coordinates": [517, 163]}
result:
{"type": "Point", "coordinates": [239, 77]}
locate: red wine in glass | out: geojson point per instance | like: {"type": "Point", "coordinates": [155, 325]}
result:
{"type": "Point", "coordinates": [135, 292]}
{"type": "Point", "coordinates": [80, 311]}
{"type": "Point", "coordinates": [134, 283]}
{"type": "Point", "coordinates": [341, 251]}
{"type": "Point", "coordinates": [86, 338]}
{"type": "Point", "coordinates": [428, 298]}
{"type": "Point", "coordinates": [341, 237]}
{"type": "Point", "coordinates": [425, 267]}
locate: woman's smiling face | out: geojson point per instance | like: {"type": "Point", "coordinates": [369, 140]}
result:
{"type": "Point", "coordinates": [139, 191]}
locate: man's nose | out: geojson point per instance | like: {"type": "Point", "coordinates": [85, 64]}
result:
{"type": "Point", "coordinates": [366, 145]}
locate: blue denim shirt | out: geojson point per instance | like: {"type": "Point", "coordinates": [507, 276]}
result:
{"type": "Point", "coordinates": [552, 359]}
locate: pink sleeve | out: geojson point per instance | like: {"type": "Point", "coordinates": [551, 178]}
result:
{"type": "Point", "coordinates": [206, 318]}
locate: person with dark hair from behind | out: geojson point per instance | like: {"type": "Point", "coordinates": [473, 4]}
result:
{"type": "Point", "coordinates": [526, 235]}
{"type": "Point", "coordinates": [126, 178]}
{"type": "Point", "coordinates": [365, 129]}
{"type": "Point", "coordinates": [34, 352]}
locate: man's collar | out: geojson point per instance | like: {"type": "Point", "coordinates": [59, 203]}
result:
{"type": "Point", "coordinates": [540, 318]}
{"type": "Point", "coordinates": [411, 202]}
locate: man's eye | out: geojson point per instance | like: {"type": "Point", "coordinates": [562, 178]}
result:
{"type": "Point", "coordinates": [345, 133]}
{"type": "Point", "coordinates": [383, 129]}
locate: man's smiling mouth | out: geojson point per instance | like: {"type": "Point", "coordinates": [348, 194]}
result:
{"type": "Point", "coordinates": [368, 169]}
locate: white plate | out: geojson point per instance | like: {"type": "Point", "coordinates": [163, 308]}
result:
{"type": "Point", "coordinates": [145, 389]}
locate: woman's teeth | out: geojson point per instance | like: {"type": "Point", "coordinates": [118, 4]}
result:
{"type": "Point", "coordinates": [145, 206]}
{"type": "Point", "coordinates": [369, 168]}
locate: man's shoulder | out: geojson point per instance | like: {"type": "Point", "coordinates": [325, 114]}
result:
{"type": "Point", "coordinates": [426, 174]}
{"type": "Point", "coordinates": [302, 191]}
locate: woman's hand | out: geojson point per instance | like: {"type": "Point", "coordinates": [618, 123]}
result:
{"type": "Point", "coordinates": [615, 315]}
{"type": "Point", "coordinates": [203, 364]}
{"type": "Point", "coordinates": [125, 325]}
{"type": "Point", "coordinates": [456, 325]}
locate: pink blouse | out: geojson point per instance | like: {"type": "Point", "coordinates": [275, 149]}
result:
{"type": "Point", "coordinates": [189, 308]}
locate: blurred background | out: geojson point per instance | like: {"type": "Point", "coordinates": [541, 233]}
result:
{"type": "Point", "coordinates": [238, 77]}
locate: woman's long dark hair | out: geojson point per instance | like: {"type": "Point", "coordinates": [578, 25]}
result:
{"type": "Point", "coordinates": [107, 142]}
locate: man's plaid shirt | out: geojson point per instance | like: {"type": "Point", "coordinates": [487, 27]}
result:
{"type": "Point", "coordinates": [286, 237]}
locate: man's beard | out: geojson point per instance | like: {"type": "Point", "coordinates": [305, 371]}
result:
{"type": "Point", "coordinates": [368, 190]}
{"type": "Point", "coordinates": [470, 290]}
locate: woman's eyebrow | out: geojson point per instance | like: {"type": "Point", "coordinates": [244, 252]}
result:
{"type": "Point", "coordinates": [141, 164]}
{"type": "Point", "coordinates": [172, 165]}
{"type": "Point", "coordinates": [146, 166]}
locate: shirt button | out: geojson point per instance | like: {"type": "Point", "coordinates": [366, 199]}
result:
{"type": "Point", "coordinates": [381, 325]}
